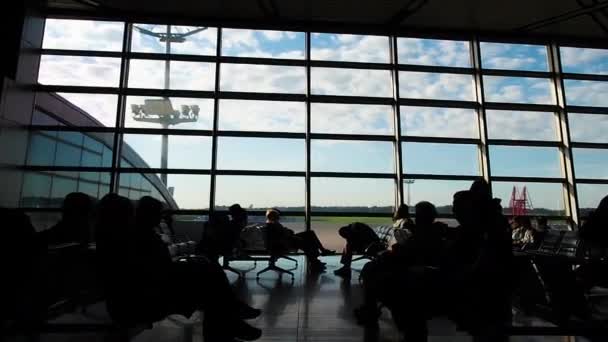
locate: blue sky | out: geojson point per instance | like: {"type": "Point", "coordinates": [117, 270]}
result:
{"type": "Point", "coordinates": [289, 154]}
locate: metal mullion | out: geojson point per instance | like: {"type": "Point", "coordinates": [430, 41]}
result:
{"type": "Point", "coordinates": [81, 53]}
{"type": "Point", "coordinates": [256, 134]}
{"type": "Point", "coordinates": [519, 179]}
{"type": "Point", "coordinates": [438, 103]}
{"type": "Point", "coordinates": [214, 137]}
{"type": "Point", "coordinates": [328, 174]}
{"type": "Point", "coordinates": [587, 110]}
{"type": "Point", "coordinates": [484, 149]}
{"type": "Point", "coordinates": [524, 143]}
{"type": "Point", "coordinates": [260, 173]}
{"type": "Point", "coordinates": [398, 149]}
{"type": "Point", "coordinates": [584, 77]}
{"type": "Point", "coordinates": [355, 137]}
{"type": "Point", "coordinates": [519, 106]}
{"type": "Point", "coordinates": [566, 149]}
{"type": "Point", "coordinates": [353, 214]}
{"type": "Point", "coordinates": [350, 65]}
{"type": "Point", "coordinates": [351, 99]}
{"type": "Point", "coordinates": [434, 68]}
{"type": "Point", "coordinates": [169, 93]}
{"type": "Point", "coordinates": [591, 181]}
{"type": "Point", "coordinates": [149, 170]}
{"type": "Point", "coordinates": [440, 140]}
{"type": "Point", "coordinates": [516, 73]}
{"type": "Point", "coordinates": [172, 57]}
{"type": "Point", "coordinates": [308, 156]}
{"type": "Point", "coordinates": [262, 61]}
{"type": "Point", "coordinates": [79, 129]}
{"type": "Point", "coordinates": [589, 145]}
{"type": "Point", "coordinates": [120, 110]}
{"type": "Point", "coordinates": [166, 131]}
{"type": "Point", "coordinates": [235, 95]}
{"type": "Point", "coordinates": [74, 89]}
{"type": "Point", "coordinates": [50, 168]}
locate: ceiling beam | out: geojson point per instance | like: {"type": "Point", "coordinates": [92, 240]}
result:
{"type": "Point", "coordinates": [411, 7]}
{"type": "Point", "coordinates": [564, 17]}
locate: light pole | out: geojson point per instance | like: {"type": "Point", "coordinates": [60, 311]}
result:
{"type": "Point", "coordinates": [409, 182]}
{"type": "Point", "coordinates": [161, 111]}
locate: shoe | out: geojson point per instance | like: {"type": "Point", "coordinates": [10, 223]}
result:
{"type": "Point", "coordinates": [343, 272]}
{"type": "Point", "coordinates": [317, 266]}
{"type": "Point", "coordinates": [246, 332]}
{"type": "Point", "coordinates": [245, 311]}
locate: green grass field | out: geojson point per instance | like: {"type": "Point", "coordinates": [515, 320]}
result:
{"type": "Point", "coordinates": [350, 219]}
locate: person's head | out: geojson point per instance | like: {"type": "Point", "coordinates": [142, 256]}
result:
{"type": "Point", "coordinates": [541, 221]}
{"type": "Point", "coordinates": [114, 214]}
{"type": "Point", "coordinates": [480, 189]}
{"type": "Point", "coordinates": [426, 213]}
{"type": "Point", "coordinates": [402, 212]}
{"type": "Point", "coordinates": [76, 208]}
{"type": "Point", "coordinates": [523, 222]}
{"type": "Point", "coordinates": [463, 207]}
{"type": "Point", "coordinates": [149, 212]}
{"type": "Point", "coordinates": [273, 215]}
{"type": "Point", "coordinates": [602, 208]}
{"type": "Point", "coordinates": [238, 214]}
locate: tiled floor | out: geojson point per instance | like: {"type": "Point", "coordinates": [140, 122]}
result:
{"type": "Point", "coordinates": [312, 308]}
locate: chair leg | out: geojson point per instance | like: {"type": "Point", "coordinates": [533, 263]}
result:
{"type": "Point", "coordinates": [290, 258]}
{"type": "Point", "coordinates": [273, 267]}
{"type": "Point", "coordinates": [363, 257]}
{"type": "Point", "coordinates": [233, 270]}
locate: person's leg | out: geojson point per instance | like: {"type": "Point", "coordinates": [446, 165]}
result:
{"type": "Point", "coordinates": [346, 260]}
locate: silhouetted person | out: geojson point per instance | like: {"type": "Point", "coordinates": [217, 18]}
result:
{"type": "Point", "coordinates": [402, 223]}
{"type": "Point", "coordinates": [523, 232]}
{"type": "Point", "coordinates": [594, 236]}
{"type": "Point", "coordinates": [143, 284]}
{"type": "Point", "coordinates": [74, 225]}
{"type": "Point", "coordinates": [21, 254]}
{"type": "Point", "coordinates": [213, 240]}
{"type": "Point", "coordinates": [280, 240]}
{"type": "Point", "coordinates": [403, 278]}
{"type": "Point", "coordinates": [541, 229]}
{"type": "Point", "coordinates": [476, 271]}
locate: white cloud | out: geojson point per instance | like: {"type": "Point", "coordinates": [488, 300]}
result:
{"type": "Point", "coordinates": [83, 35]}
{"type": "Point", "coordinates": [273, 35]}
{"type": "Point", "coordinates": [353, 48]}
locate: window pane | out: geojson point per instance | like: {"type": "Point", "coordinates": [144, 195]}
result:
{"type": "Point", "coordinates": [439, 122]}
{"type": "Point", "coordinates": [175, 112]}
{"type": "Point", "coordinates": [588, 127]}
{"type": "Point", "coordinates": [586, 93]}
{"type": "Point", "coordinates": [518, 90]}
{"type": "Point", "coordinates": [327, 227]}
{"type": "Point", "coordinates": [181, 192]}
{"type": "Point", "coordinates": [440, 159]}
{"type": "Point", "coordinates": [584, 61]}
{"type": "Point", "coordinates": [62, 187]}
{"type": "Point", "coordinates": [351, 119]}
{"type": "Point", "coordinates": [83, 35]}
{"type": "Point", "coordinates": [269, 44]}
{"type": "Point", "coordinates": [514, 56]}
{"type": "Point", "coordinates": [50, 148]}
{"type": "Point", "coordinates": [349, 48]}
{"type": "Point", "coordinates": [515, 125]}
{"type": "Point", "coordinates": [79, 71]}
{"type": "Point", "coordinates": [194, 42]}
{"type": "Point", "coordinates": [184, 152]}
{"type": "Point", "coordinates": [589, 196]}
{"type": "Point", "coordinates": [352, 195]}
{"type": "Point", "coordinates": [433, 52]}
{"type": "Point", "coordinates": [87, 110]}
{"type": "Point", "coordinates": [183, 75]}
{"type": "Point", "coordinates": [351, 82]}
{"type": "Point", "coordinates": [438, 192]}
{"type": "Point", "coordinates": [425, 85]}
{"type": "Point", "coordinates": [263, 78]}
{"type": "Point", "coordinates": [262, 116]}
{"type": "Point", "coordinates": [352, 156]}
{"type": "Point", "coordinates": [253, 192]}
{"type": "Point", "coordinates": [36, 190]}
{"type": "Point", "coordinates": [543, 198]}
{"type": "Point", "coordinates": [590, 163]}
{"type": "Point", "coordinates": [261, 154]}
{"type": "Point", "coordinates": [525, 161]}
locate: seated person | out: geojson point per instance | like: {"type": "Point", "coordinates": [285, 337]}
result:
{"type": "Point", "coordinates": [213, 240]}
{"type": "Point", "coordinates": [359, 237]}
{"type": "Point", "coordinates": [594, 238]}
{"type": "Point", "coordinates": [409, 266]}
{"type": "Point", "coordinates": [74, 225]}
{"type": "Point", "coordinates": [281, 240]}
{"type": "Point", "coordinates": [402, 223]}
{"type": "Point", "coordinates": [143, 284]}
{"type": "Point", "coordinates": [523, 233]}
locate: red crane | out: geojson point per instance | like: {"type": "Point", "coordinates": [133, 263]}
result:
{"type": "Point", "coordinates": [521, 202]}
